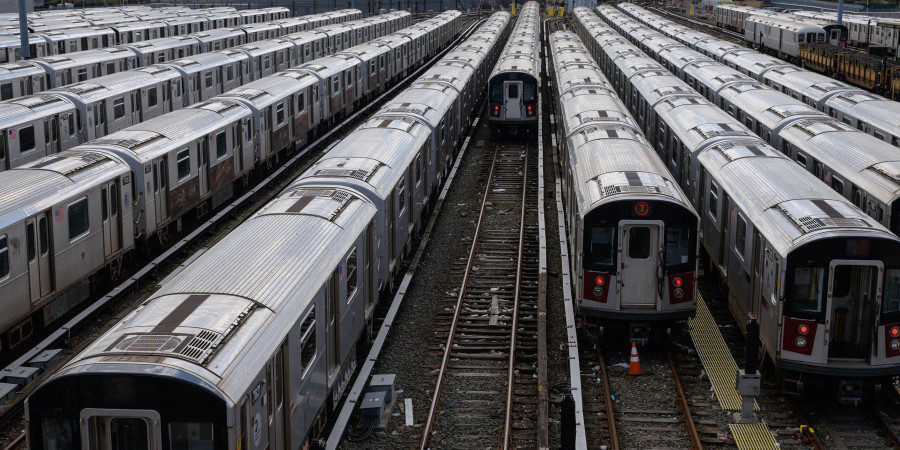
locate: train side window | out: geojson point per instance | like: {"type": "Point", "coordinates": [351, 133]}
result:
{"type": "Point", "coordinates": [31, 246]}
{"type": "Point", "coordinates": [208, 79]}
{"type": "Point", "coordinates": [244, 423]}
{"type": "Point", "coordinates": [861, 126]}
{"type": "Point", "coordinates": [879, 135]}
{"type": "Point", "coordinates": [837, 184]}
{"type": "Point", "coordinates": [26, 139]}
{"type": "Point", "coordinates": [152, 98]}
{"type": "Point", "coordinates": [307, 342]}
{"type": "Point", "coordinates": [350, 268]}
{"type": "Point", "coordinates": [229, 73]}
{"type": "Point", "coordinates": [714, 200]}
{"type": "Point", "coordinates": [896, 141]}
{"type": "Point", "coordinates": [740, 235]}
{"type": "Point", "coordinates": [808, 290]}
{"type": "Point", "coordinates": [191, 435]}
{"type": "Point", "coordinates": [891, 302]}
{"type": "Point", "coordinates": [78, 219]}
{"type": "Point", "coordinates": [349, 79]}
{"type": "Point", "coordinates": [4, 256]}
{"type": "Point", "coordinates": [82, 74]}
{"type": "Point", "coordinates": [335, 85]}
{"type": "Point", "coordinates": [801, 159]}
{"type": "Point", "coordinates": [279, 114]}
{"type": "Point", "coordinates": [71, 120]}
{"type": "Point", "coordinates": [221, 144]}
{"type": "Point", "coordinates": [401, 195]}
{"type": "Point", "coordinates": [184, 164]}
{"type": "Point", "coordinates": [118, 108]}
{"type": "Point", "coordinates": [301, 102]}
{"type": "Point", "coordinates": [6, 91]}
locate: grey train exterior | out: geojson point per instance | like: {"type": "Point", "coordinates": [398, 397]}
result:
{"type": "Point", "coordinates": [779, 238]}
{"type": "Point", "coordinates": [859, 166]}
{"type": "Point", "coordinates": [269, 348]}
{"type": "Point", "coordinates": [17, 77]}
{"type": "Point", "coordinates": [88, 110]}
{"type": "Point", "coordinates": [516, 80]}
{"type": "Point", "coordinates": [870, 113]}
{"type": "Point", "coordinates": [188, 160]}
{"type": "Point", "coordinates": [633, 234]}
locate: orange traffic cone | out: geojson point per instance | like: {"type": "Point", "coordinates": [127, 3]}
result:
{"type": "Point", "coordinates": [634, 366]}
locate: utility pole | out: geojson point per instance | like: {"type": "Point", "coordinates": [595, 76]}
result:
{"type": "Point", "coordinates": [23, 31]}
{"type": "Point", "coordinates": [840, 12]}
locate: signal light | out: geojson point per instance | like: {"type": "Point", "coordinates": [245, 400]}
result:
{"type": "Point", "coordinates": [803, 329]}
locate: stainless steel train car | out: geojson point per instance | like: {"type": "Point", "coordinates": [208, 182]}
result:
{"type": "Point", "coordinates": [816, 272]}
{"type": "Point", "coordinates": [867, 112]}
{"type": "Point", "coordinates": [78, 113]}
{"type": "Point", "coordinates": [855, 164]}
{"type": "Point", "coordinates": [779, 32]}
{"type": "Point", "coordinates": [516, 79]}
{"type": "Point", "coordinates": [633, 234]}
{"type": "Point", "coordinates": [184, 162]}
{"type": "Point", "coordinates": [25, 77]}
{"type": "Point", "coordinates": [260, 359]}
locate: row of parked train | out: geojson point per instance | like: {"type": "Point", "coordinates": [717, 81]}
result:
{"type": "Point", "coordinates": [69, 219]}
{"type": "Point", "coordinates": [91, 58]}
{"type": "Point", "coordinates": [81, 112]}
{"type": "Point", "coordinates": [70, 31]}
{"type": "Point", "coordinates": [864, 168]}
{"type": "Point", "coordinates": [793, 253]}
{"type": "Point", "coordinates": [252, 344]}
{"type": "Point", "coordinates": [516, 80]}
{"type": "Point", "coordinates": [870, 69]}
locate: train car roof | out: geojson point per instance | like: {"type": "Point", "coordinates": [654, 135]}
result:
{"type": "Point", "coordinates": [870, 108]}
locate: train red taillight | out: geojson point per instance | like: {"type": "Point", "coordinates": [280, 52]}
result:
{"type": "Point", "coordinates": [530, 111]}
{"type": "Point", "coordinates": [600, 280]}
{"type": "Point", "coordinates": [799, 335]}
{"type": "Point", "coordinates": [495, 110]}
{"type": "Point", "coordinates": [596, 286]}
{"type": "Point", "coordinates": [892, 339]}
{"type": "Point", "coordinates": [681, 287]}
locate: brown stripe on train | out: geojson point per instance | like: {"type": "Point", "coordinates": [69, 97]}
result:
{"type": "Point", "coordinates": [180, 313]}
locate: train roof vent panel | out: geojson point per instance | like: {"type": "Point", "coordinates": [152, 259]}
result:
{"type": "Point", "coordinates": [810, 215]}
{"type": "Point", "coordinates": [148, 343]}
{"type": "Point", "coordinates": [36, 100]}
{"type": "Point", "coordinates": [201, 346]}
{"type": "Point", "coordinates": [815, 127]}
{"type": "Point", "coordinates": [710, 130]}
{"type": "Point", "coordinates": [890, 169]}
{"type": "Point", "coordinates": [785, 111]}
{"type": "Point", "coordinates": [632, 182]}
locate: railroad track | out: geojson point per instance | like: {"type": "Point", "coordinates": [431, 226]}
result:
{"type": "Point", "coordinates": [486, 382]}
{"type": "Point", "coordinates": [718, 32]}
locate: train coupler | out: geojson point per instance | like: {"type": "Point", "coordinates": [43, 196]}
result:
{"type": "Point", "coordinates": [850, 392]}
{"type": "Point", "coordinates": [639, 333]}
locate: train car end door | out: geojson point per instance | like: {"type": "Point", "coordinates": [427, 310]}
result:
{"type": "Point", "coordinates": [512, 94]}
{"type": "Point", "coordinates": [639, 264]}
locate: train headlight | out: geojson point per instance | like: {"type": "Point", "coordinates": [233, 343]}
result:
{"type": "Point", "coordinates": [895, 331]}
{"type": "Point", "coordinates": [598, 291]}
{"type": "Point", "coordinates": [803, 329]}
{"type": "Point", "coordinates": [800, 342]}
{"type": "Point", "coordinates": [895, 345]}
{"type": "Point", "coordinates": [678, 292]}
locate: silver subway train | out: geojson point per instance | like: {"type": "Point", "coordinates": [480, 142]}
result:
{"type": "Point", "coordinates": [516, 80]}
{"type": "Point", "coordinates": [253, 343]}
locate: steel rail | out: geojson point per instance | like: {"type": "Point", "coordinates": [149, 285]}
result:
{"type": "Point", "coordinates": [610, 410]}
{"type": "Point", "coordinates": [507, 430]}
{"type": "Point", "coordinates": [683, 403]}
{"type": "Point", "coordinates": [429, 423]}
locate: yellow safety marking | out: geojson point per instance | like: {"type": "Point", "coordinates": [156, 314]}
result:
{"type": "Point", "coordinates": [717, 360]}
{"type": "Point", "coordinates": [753, 436]}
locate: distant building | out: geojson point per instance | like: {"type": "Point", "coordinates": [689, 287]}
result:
{"type": "Point", "coordinates": [12, 6]}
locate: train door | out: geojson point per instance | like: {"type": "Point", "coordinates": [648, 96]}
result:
{"type": "Point", "coordinates": [111, 429]}
{"type": "Point", "coordinates": [723, 237]}
{"type": "Point", "coordinates": [853, 292]}
{"type": "Point", "coordinates": [109, 210]}
{"type": "Point", "coordinates": [51, 135]}
{"type": "Point", "coordinates": [512, 91]}
{"type": "Point", "coordinates": [37, 230]}
{"type": "Point", "coordinates": [276, 389]}
{"type": "Point", "coordinates": [159, 189]}
{"type": "Point", "coordinates": [639, 262]}
{"type": "Point", "coordinates": [332, 312]}
{"type": "Point", "coordinates": [203, 169]}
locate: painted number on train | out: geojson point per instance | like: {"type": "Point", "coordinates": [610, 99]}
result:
{"type": "Point", "coordinates": [642, 208]}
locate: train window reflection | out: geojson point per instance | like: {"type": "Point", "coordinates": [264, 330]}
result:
{"type": "Point", "coordinates": [129, 433]}
{"type": "Point", "coordinates": [191, 436]}
{"type": "Point", "coordinates": [639, 243]}
{"type": "Point", "coordinates": [601, 246]}
{"type": "Point", "coordinates": [496, 93]}
{"type": "Point", "coordinates": [513, 91]}
{"type": "Point", "coordinates": [528, 92]}
{"type": "Point", "coordinates": [678, 246]}
{"type": "Point", "coordinates": [808, 290]}
{"type": "Point", "coordinates": [891, 302]}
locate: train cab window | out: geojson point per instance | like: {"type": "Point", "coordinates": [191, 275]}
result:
{"type": "Point", "coordinates": [740, 236]}
{"type": "Point", "coordinates": [191, 435]}
{"type": "Point", "coordinates": [891, 301]}
{"type": "Point", "coordinates": [6, 91]}
{"type": "Point", "coordinates": [528, 92]}
{"type": "Point", "coordinates": [221, 143]}
{"type": "Point", "coordinates": [678, 246]}
{"type": "Point", "coordinates": [152, 98]}
{"type": "Point", "coordinates": [639, 242]}
{"type": "Point", "coordinates": [307, 342]}
{"type": "Point", "coordinates": [352, 280]}
{"type": "Point", "coordinates": [808, 289]}
{"type": "Point", "coordinates": [118, 108]}
{"type": "Point", "coordinates": [184, 164]}
{"type": "Point", "coordinates": [497, 93]}
{"type": "Point", "coordinates": [26, 139]}
{"type": "Point", "coordinates": [602, 246]}
{"type": "Point", "coordinates": [78, 219]}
